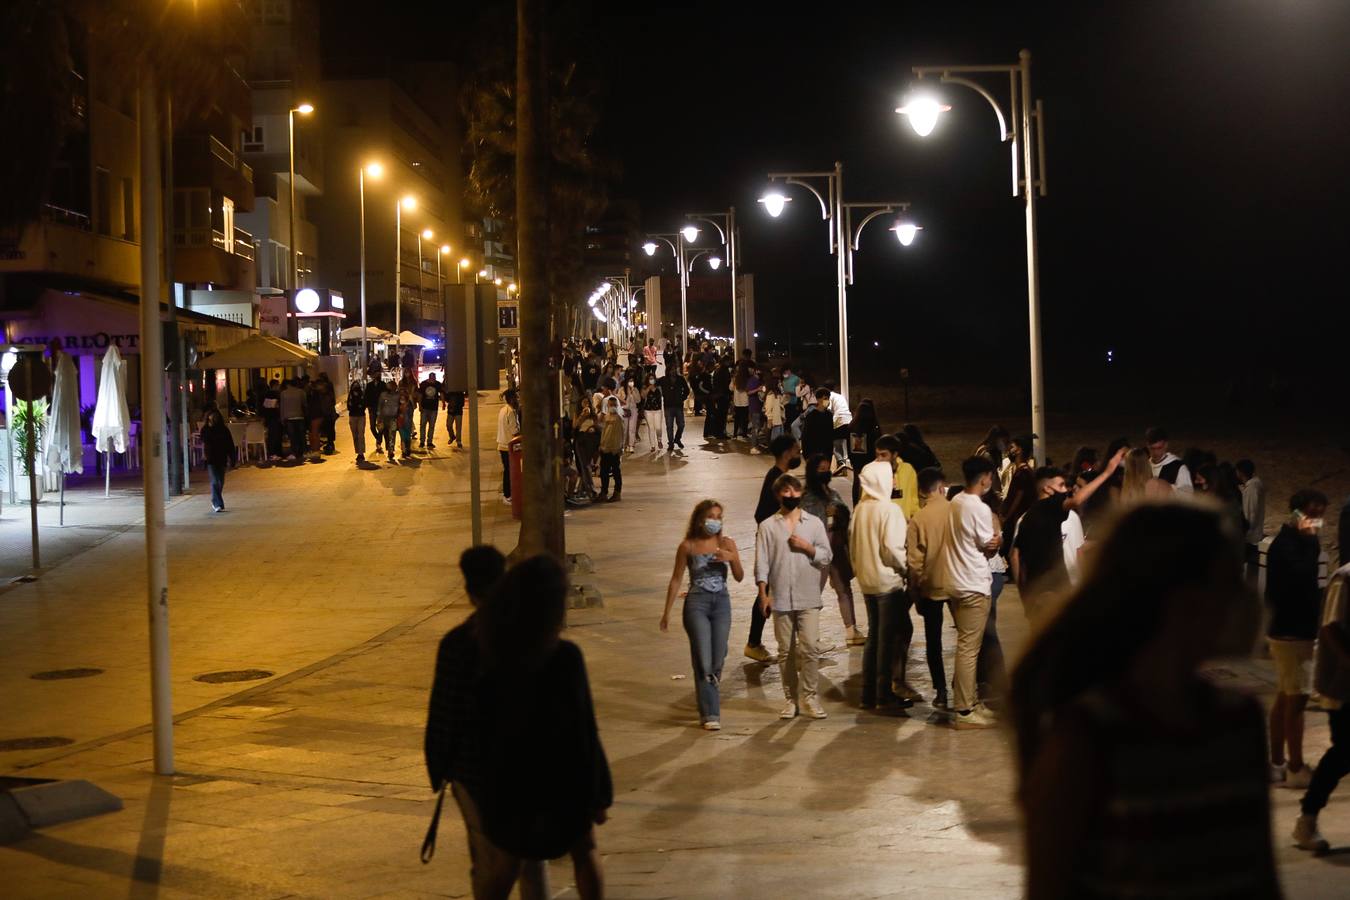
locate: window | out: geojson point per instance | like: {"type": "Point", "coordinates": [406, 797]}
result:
{"type": "Point", "coordinates": [254, 141]}
{"type": "Point", "coordinates": [103, 201]}
{"type": "Point", "coordinates": [128, 210]}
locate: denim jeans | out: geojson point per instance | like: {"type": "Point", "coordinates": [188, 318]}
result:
{"type": "Point", "coordinates": [217, 484]}
{"type": "Point", "coordinates": [454, 427]}
{"type": "Point", "coordinates": [883, 640]}
{"type": "Point", "coordinates": [358, 427]}
{"type": "Point", "coordinates": [991, 672]}
{"type": "Point", "coordinates": [674, 423]}
{"type": "Point", "coordinates": [707, 621]}
{"type": "Point", "coordinates": [775, 431]}
{"type": "Point", "coordinates": [426, 426]}
{"type": "Point", "coordinates": [295, 430]}
{"type": "Point", "coordinates": [931, 611]}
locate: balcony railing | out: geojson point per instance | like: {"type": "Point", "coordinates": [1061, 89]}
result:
{"type": "Point", "coordinates": [246, 170]}
{"type": "Point", "coordinates": [66, 217]}
{"type": "Point", "coordinates": [201, 237]}
{"type": "Point", "coordinates": [220, 151]}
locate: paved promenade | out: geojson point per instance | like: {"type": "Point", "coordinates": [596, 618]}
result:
{"type": "Point", "coordinates": [310, 783]}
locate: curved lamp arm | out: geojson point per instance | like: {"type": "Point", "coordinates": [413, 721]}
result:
{"type": "Point", "coordinates": [824, 209]}
{"type": "Point", "coordinates": [1004, 134]}
{"type": "Point", "coordinates": [888, 208]}
{"type": "Point", "coordinates": [701, 218]}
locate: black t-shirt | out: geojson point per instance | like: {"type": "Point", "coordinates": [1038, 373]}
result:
{"type": "Point", "coordinates": [1040, 539]}
{"type": "Point", "coordinates": [1292, 593]}
{"type": "Point", "coordinates": [429, 395]}
{"type": "Point", "coordinates": [768, 503]}
{"type": "Point", "coordinates": [590, 374]}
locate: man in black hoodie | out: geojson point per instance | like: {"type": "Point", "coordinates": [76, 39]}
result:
{"type": "Point", "coordinates": [374, 388]}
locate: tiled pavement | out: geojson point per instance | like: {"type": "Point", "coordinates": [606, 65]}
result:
{"type": "Point", "coordinates": [311, 784]}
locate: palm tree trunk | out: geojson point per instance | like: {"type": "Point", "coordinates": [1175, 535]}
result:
{"type": "Point", "coordinates": [541, 526]}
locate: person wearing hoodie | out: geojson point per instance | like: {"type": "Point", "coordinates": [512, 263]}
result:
{"type": "Point", "coordinates": [824, 502]}
{"type": "Point", "coordinates": [1167, 465]}
{"type": "Point", "coordinates": [876, 541]}
{"type": "Point", "coordinates": [924, 537]}
{"type": "Point", "coordinates": [356, 417]}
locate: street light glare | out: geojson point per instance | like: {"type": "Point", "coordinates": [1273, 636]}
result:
{"type": "Point", "coordinates": [649, 248]}
{"type": "Point", "coordinates": [774, 201]}
{"type": "Point", "coordinates": [906, 231]}
{"type": "Point", "coordinates": [427, 234]}
{"type": "Point", "coordinates": [690, 233]}
{"type": "Point", "coordinates": [714, 262]}
{"type": "Point", "coordinates": [374, 170]}
{"type": "Point", "coordinates": [464, 263]}
{"type": "Point", "coordinates": [409, 202]}
{"type": "Point", "coordinates": [445, 248]}
{"type": "Point", "coordinates": [497, 282]}
{"type": "Point", "coordinates": [923, 112]}
{"type": "Point", "coordinates": [305, 109]}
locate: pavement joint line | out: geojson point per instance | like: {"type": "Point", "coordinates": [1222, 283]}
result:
{"type": "Point", "coordinates": [115, 532]}
{"type": "Point", "coordinates": [384, 637]}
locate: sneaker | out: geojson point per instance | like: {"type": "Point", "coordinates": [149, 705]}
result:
{"type": "Point", "coordinates": [1277, 773]}
{"type": "Point", "coordinates": [789, 710]}
{"type": "Point", "coordinates": [290, 457]}
{"type": "Point", "coordinates": [1307, 837]}
{"type": "Point", "coordinates": [758, 653]}
{"type": "Point", "coordinates": [431, 446]}
{"type": "Point", "coordinates": [811, 707]}
{"type": "Point", "coordinates": [1298, 778]}
{"type": "Point", "coordinates": [903, 690]}
{"type": "Point", "coordinates": [712, 725]}
{"type": "Point", "coordinates": [853, 637]}
{"type": "Point", "coordinates": [215, 508]}
{"type": "Point", "coordinates": [940, 702]}
{"type": "Point", "coordinates": [615, 497]}
{"type": "Point", "coordinates": [979, 717]}
{"type": "Point", "coordinates": [506, 500]}
{"type": "Point", "coordinates": [755, 451]}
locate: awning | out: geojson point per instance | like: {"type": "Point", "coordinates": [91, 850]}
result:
{"type": "Point", "coordinates": [372, 334]}
{"type": "Point", "coordinates": [259, 352]}
{"type": "Point", "coordinates": [408, 339]}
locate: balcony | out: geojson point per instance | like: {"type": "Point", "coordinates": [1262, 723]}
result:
{"type": "Point", "coordinates": [209, 256]}
{"type": "Point", "coordinates": [203, 160]}
{"type": "Point", "coordinates": [62, 241]}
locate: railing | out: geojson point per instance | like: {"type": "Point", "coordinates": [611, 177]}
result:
{"type": "Point", "coordinates": [246, 170]}
{"type": "Point", "coordinates": [220, 151]}
{"type": "Point", "coordinates": [243, 244]}
{"type": "Point", "coordinates": [202, 237]}
{"type": "Point", "coordinates": [63, 216]}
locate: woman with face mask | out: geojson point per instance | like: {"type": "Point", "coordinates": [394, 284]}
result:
{"type": "Point", "coordinates": [652, 411]}
{"type": "Point", "coordinates": [708, 554]}
{"type": "Point", "coordinates": [823, 502]}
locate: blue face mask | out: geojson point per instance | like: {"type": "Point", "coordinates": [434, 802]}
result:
{"type": "Point", "coordinates": [712, 526]}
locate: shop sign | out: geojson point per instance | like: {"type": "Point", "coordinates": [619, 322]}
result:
{"type": "Point", "coordinates": [99, 340]}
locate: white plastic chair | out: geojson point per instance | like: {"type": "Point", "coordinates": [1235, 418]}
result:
{"type": "Point", "coordinates": [255, 435]}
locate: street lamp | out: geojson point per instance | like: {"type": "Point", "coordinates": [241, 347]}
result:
{"type": "Point", "coordinates": [440, 289]}
{"type": "Point", "coordinates": [690, 233]}
{"type": "Point", "coordinates": [303, 109]}
{"type": "Point", "coordinates": [408, 202]}
{"type": "Point", "coordinates": [843, 237]}
{"type": "Point", "coordinates": [463, 264]}
{"type": "Point", "coordinates": [1028, 179]}
{"type": "Point", "coordinates": [905, 232]}
{"type": "Point", "coordinates": [725, 223]}
{"type": "Point", "coordinates": [376, 171]}
{"type": "Point", "coordinates": [424, 234]}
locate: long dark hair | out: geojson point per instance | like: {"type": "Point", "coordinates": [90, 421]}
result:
{"type": "Point", "coordinates": [1154, 551]}
{"type": "Point", "coordinates": [865, 420]}
{"type": "Point", "coordinates": [519, 624]}
{"type": "Point", "coordinates": [812, 463]}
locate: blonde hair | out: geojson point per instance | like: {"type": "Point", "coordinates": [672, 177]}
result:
{"type": "Point", "coordinates": [1138, 473]}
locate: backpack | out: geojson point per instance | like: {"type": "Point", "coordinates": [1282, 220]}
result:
{"type": "Point", "coordinates": [388, 404]}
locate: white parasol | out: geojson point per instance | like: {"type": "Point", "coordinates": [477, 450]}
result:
{"type": "Point", "coordinates": [409, 339]}
{"type": "Point", "coordinates": [112, 421]}
{"type": "Point", "coordinates": [65, 451]}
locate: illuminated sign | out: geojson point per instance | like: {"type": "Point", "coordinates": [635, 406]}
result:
{"type": "Point", "coordinates": [307, 300]}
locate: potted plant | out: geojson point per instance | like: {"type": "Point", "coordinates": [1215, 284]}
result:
{"type": "Point", "coordinates": [25, 411]}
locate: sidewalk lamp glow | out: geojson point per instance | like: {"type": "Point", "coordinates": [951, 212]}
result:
{"type": "Point", "coordinates": [497, 282]}
{"type": "Point", "coordinates": [649, 248]}
{"type": "Point", "coordinates": [445, 248]}
{"type": "Point", "coordinates": [464, 263]}
{"type": "Point", "coordinates": [375, 170]}
{"type": "Point", "coordinates": [511, 288]}
{"type": "Point", "coordinates": [409, 202]}
{"type": "Point", "coordinates": [714, 262]}
{"type": "Point", "coordinates": [427, 234]}
{"type": "Point", "coordinates": [482, 273]}
{"type": "Point", "coordinates": [690, 233]}
{"type": "Point", "coordinates": [599, 315]}
{"type": "Point", "coordinates": [923, 112]}
{"type": "Point", "coordinates": [305, 109]}
{"type": "Point", "coordinates": [774, 202]}
{"type": "Point", "coordinates": [905, 232]}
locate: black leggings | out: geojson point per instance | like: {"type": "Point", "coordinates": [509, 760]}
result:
{"type": "Point", "coordinates": [931, 610]}
{"type": "Point", "coordinates": [506, 473]}
{"type": "Point", "coordinates": [1334, 766]}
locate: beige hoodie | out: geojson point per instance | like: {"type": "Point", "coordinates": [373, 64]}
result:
{"type": "Point", "coordinates": [927, 534]}
{"type": "Point", "coordinates": [876, 536]}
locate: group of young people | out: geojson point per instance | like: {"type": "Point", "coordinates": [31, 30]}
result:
{"type": "Point", "coordinates": [391, 409]}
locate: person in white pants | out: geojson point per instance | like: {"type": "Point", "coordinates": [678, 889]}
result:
{"type": "Point", "coordinates": [630, 400]}
{"type": "Point", "coordinates": [651, 409]}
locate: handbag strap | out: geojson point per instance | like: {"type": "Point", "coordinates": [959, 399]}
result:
{"type": "Point", "coordinates": [429, 842]}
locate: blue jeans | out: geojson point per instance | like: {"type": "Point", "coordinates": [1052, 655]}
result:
{"type": "Point", "coordinates": [884, 637]}
{"type": "Point", "coordinates": [217, 474]}
{"type": "Point", "coordinates": [775, 431]}
{"type": "Point", "coordinates": [991, 672]}
{"type": "Point", "coordinates": [674, 423]}
{"type": "Point", "coordinates": [707, 621]}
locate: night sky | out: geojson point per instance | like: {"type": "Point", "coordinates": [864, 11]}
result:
{"type": "Point", "coordinates": [1197, 157]}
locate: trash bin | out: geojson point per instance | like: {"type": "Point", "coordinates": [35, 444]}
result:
{"type": "Point", "coordinates": [516, 467]}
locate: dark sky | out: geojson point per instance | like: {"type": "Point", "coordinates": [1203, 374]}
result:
{"type": "Point", "coordinates": [1197, 158]}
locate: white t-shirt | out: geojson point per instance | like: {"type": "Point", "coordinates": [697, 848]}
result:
{"type": "Point", "coordinates": [839, 409]}
{"type": "Point", "coordinates": [1074, 539]}
{"type": "Point", "coordinates": [969, 528]}
{"type": "Point", "coordinates": [1183, 482]}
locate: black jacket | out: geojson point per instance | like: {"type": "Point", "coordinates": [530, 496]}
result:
{"type": "Point", "coordinates": [356, 400]}
{"type": "Point", "coordinates": [674, 389]}
{"type": "Point", "coordinates": [1292, 593]}
{"type": "Point", "coordinates": [218, 444]}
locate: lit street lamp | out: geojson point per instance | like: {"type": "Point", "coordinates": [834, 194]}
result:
{"type": "Point", "coordinates": [1028, 178]}
{"type": "Point", "coordinates": [725, 223]}
{"type": "Point", "coordinates": [463, 264]}
{"type": "Point", "coordinates": [428, 234]}
{"type": "Point", "coordinates": [843, 237]}
{"type": "Point", "coordinates": [374, 170]}
{"type": "Point", "coordinates": [688, 233]}
{"type": "Point", "coordinates": [303, 109]}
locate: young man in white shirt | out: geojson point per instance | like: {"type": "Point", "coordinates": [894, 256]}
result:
{"type": "Point", "coordinates": [508, 427]}
{"type": "Point", "coordinates": [791, 550]}
{"type": "Point", "coordinates": [968, 582]}
{"type": "Point", "coordinates": [842, 419]}
{"type": "Point", "coordinates": [1253, 510]}
{"type": "Point", "coordinates": [1167, 466]}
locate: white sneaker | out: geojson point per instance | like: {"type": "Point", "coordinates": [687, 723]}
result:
{"type": "Point", "coordinates": [1297, 778]}
{"type": "Point", "coordinates": [979, 717]}
{"type": "Point", "coordinates": [811, 707]}
{"type": "Point", "coordinates": [712, 725]}
{"type": "Point", "coordinates": [789, 710]}
{"type": "Point", "coordinates": [1307, 837]}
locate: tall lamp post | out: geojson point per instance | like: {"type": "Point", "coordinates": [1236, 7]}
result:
{"type": "Point", "coordinates": [828, 189]}
{"type": "Point", "coordinates": [459, 270]}
{"type": "Point", "coordinates": [303, 109]}
{"type": "Point", "coordinates": [374, 170]}
{"type": "Point", "coordinates": [409, 203]}
{"type": "Point", "coordinates": [725, 223]}
{"type": "Point", "coordinates": [428, 234]}
{"type": "Point", "coordinates": [686, 235]}
{"type": "Point", "coordinates": [1028, 178]}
